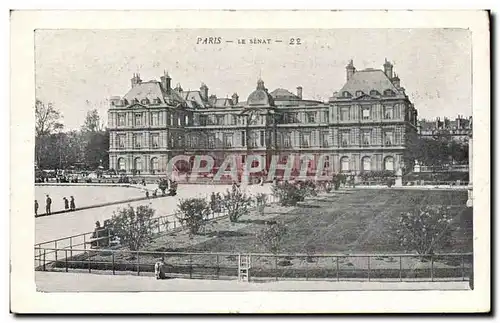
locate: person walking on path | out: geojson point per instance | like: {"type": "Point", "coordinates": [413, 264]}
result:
{"type": "Point", "coordinates": [72, 203]}
{"type": "Point", "coordinates": [160, 269]}
{"type": "Point", "coordinates": [66, 203]}
{"type": "Point", "coordinates": [48, 203]}
{"type": "Point", "coordinates": [36, 207]}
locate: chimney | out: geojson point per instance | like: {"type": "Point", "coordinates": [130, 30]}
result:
{"type": "Point", "coordinates": [299, 92]}
{"type": "Point", "coordinates": [234, 98]}
{"type": "Point", "coordinates": [166, 82]}
{"type": "Point", "coordinates": [396, 81]}
{"type": "Point", "coordinates": [350, 69]}
{"type": "Point", "coordinates": [204, 91]}
{"type": "Point", "coordinates": [388, 68]}
{"type": "Point", "coordinates": [212, 99]}
{"type": "Point", "coordinates": [136, 79]}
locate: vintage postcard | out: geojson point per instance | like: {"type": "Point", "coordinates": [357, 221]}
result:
{"type": "Point", "coordinates": [339, 160]}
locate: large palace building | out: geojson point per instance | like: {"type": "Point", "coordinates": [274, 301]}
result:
{"type": "Point", "coordinates": [365, 126]}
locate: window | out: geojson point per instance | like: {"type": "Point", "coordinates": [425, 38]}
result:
{"type": "Point", "coordinates": [388, 112]}
{"type": "Point", "coordinates": [253, 139]}
{"type": "Point", "coordinates": [388, 139]}
{"type": "Point", "coordinates": [346, 94]}
{"type": "Point", "coordinates": [243, 139]}
{"type": "Point", "coordinates": [344, 164]}
{"type": "Point", "coordinates": [366, 138]}
{"type": "Point", "coordinates": [203, 120]}
{"type": "Point", "coordinates": [154, 118]}
{"type": "Point", "coordinates": [374, 92]}
{"type": "Point", "coordinates": [305, 139]}
{"type": "Point", "coordinates": [228, 140]}
{"type": "Point", "coordinates": [137, 138]}
{"type": "Point", "coordinates": [155, 164]}
{"type": "Point", "coordinates": [138, 119]}
{"type": "Point", "coordinates": [366, 113]}
{"type": "Point", "coordinates": [138, 164]}
{"type": "Point", "coordinates": [344, 113]}
{"type": "Point", "coordinates": [121, 163]}
{"type": "Point", "coordinates": [345, 139]}
{"type": "Point", "coordinates": [179, 120]}
{"type": "Point", "coordinates": [211, 141]}
{"type": "Point", "coordinates": [389, 163]}
{"type": "Point", "coordinates": [121, 141]}
{"type": "Point", "coordinates": [389, 92]}
{"type": "Point", "coordinates": [287, 139]}
{"type": "Point", "coordinates": [219, 120]}
{"type": "Point", "coordinates": [121, 119]}
{"type": "Point", "coordinates": [326, 117]}
{"type": "Point", "coordinates": [324, 139]}
{"type": "Point", "coordinates": [145, 101]}
{"type": "Point", "coordinates": [359, 93]}
{"type": "Point", "coordinates": [366, 163]}
{"type": "Point", "coordinates": [233, 119]}
{"type": "Point", "coordinates": [311, 117]}
{"type": "Point", "coordinates": [294, 117]}
{"type": "Point", "coordinates": [186, 120]}
{"type": "Point", "coordinates": [262, 138]}
{"type": "Point", "coordinates": [155, 140]}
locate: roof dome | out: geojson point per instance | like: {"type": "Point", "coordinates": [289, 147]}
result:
{"type": "Point", "coordinates": [260, 96]}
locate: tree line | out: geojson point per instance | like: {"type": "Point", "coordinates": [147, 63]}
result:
{"type": "Point", "coordinates": [55, 148]}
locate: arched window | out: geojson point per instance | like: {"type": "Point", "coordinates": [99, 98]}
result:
{"type": "Point", "coordinates": [359, 93]}
{"type": "Point", "coordinates": [155, 165]}
{"type": "Point", "coordinates": [121, 163]}
{"type": "Point", "coordinates": [366, 163]}
{"type": "Point", "coordinates": [138, 164]}
{"type": "Point", "coordinates": [389, 163]}
{"type": "Point", "coordinates": [346, 94]}
{"type": "Point", "coordinates": [344, 164]}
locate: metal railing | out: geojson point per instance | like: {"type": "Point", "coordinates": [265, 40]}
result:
{"type": "Point", "coordinates": [334, 267]}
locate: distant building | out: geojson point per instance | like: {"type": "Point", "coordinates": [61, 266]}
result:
{"type": "Point", "coordinates": [459, 129]}
{"type": "Point", "coordinates": [365, 126]}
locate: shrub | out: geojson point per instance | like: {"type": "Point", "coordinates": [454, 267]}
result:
{"type": "Point", "coordinates": [134, 227]}
{"type": "Point", "coordinates": [236, 203]}
{"type": "Point", "coordinates": [163, 185]}
{"type": "Point", "coordinates": [289, 194]}
{"type": "Point", "coordinates": [193, 213]}
{"type": "Point", "coordinates": [260, 201]}
{"type": "Point", "coordinates": [272, 236]}
{"type": "Point", "coordinates": [215, 202]}
{"type": "Point", "coordinates": [425, 229]}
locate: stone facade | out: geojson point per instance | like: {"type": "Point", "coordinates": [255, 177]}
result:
{"type": "Point", "coordinates": [365, 126]}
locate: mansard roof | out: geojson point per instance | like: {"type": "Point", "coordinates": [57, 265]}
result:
{"type": "Point", "coordinates": [153, 90]}
{"type": "Point", "coordinates": [280, 94]}
{"type": "Point", "coordinates": [368, 80]}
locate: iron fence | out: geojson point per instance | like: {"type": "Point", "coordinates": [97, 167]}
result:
{"type": "Point", "coordinates": [200, 265]}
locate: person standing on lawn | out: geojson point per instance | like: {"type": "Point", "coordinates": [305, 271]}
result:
{"type": "Point", "coordinates": [66, 203]}
{"type": "Point", "coordinates": [48, 203]}
{"type": "Point", "coordinates": [36, 207]}
{"type": "Point", "coordinates": [160, 269]}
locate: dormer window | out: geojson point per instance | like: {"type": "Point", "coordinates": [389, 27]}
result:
{"type": "Point", "coordinates": [156, 101]}
{"type": "Point", "coordinates": [124, 102]}
{"type": "Point", "coordinates": [346, 94]}
{"type": "Point", "coordinates": [374, 92]}
{"type": "Point", "coordinates": [389, 92]}
{"type": "Point", "coordinates": [359, 93]}
{"type": "Point", "coordinates": [145, 101]}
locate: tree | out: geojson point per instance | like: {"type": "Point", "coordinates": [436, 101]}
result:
{"type": "Point", "coordinates": [193, 212]}
{"type": "Point", "coordinates": [96, 149]}
{"type": "Point", "coordinates": [424, 229]}
{"type": "Point", "coordinates": [134, 227]}
{"type": "Point", "coordinates": [289, 194]}
{"type": "Point", "coordinates": [47, 119]}
{"type": "Point", "coordinates": [236, 203]}
{"type": "Point", "coordinates": [92, 122]}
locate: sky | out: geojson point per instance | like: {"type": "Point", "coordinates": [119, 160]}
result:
{"type": "Point", "coordinates": [78, 70]}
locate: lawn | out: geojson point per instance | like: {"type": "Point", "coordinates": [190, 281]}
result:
{"type": "Point", "coordinates": [345, 223]}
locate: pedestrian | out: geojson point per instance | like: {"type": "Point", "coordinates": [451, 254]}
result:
{"type": "Point", "coordinates": [72, 203]}
{"type": "Point", "coordinates": [147, 194]}
{"type": "Point", "coordinates": [36, 207]}
{"type": "Point", "coordinates": [160, 269]}
{"type": "Point", "coordinates": [48, 203]}
{"type": "Point", "coordinates": [66, 203]}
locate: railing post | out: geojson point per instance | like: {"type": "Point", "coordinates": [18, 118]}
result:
{"type": "Point", "coordinates": [66, 258]}
{"type": "Point", "coordinates": [190, 266]}
{"type": "Point", "coordinates": [307, 270]}
{"type": "Point", "coordinates": [138, 265]}
{"type": "Point", "coordinates": [109, 237]}
{"type": "Point", "coordinates": [84, 241]}
{"type": "Point", "coordinates": [44, 252]}
{"type": "Point", "coordinates": [276, 266]}
{"type": "Point", "coordinates": [55, 249]}
{"type": "Point", "coordinates": [400, 268]}
{"type": "Point", "coordinates": [218, 267]}
{"type": "Point", "coordinates": [90, 269]}
{"type": "Point", "coordinates": [432, 268]}
{"type": "Point", "coordinates": [369, 268]}
{"type": "Point", "coordinates": [338, 267]}
{"type": "Point", "coordinates": [71, 246]}
{"type": "Point", "coordinates": [39, 255]}
{"type": "Point", "coordinates": [463, 268]}
{"type": "Point", "coordinates": [113, 262]}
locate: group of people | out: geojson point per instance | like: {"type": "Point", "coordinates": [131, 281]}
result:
{"type": "Point", "coordinates": [68, 205]}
